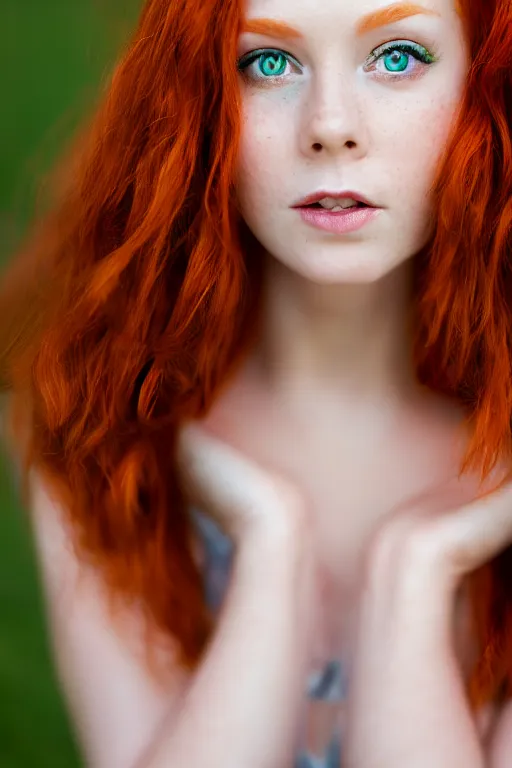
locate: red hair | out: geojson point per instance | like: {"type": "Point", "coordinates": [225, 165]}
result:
{"type": "Point", "coordinates": [463, 344]}
{"type": "Point", "coordinates": [136, 296]}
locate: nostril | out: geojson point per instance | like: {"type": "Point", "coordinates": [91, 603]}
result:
{"type": "Point", "coordinates": [317, 147]}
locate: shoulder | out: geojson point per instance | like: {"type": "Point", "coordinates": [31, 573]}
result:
{"type": "Point", "coordinates": [119, 703]}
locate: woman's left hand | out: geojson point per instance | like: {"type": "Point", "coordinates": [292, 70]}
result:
{"type": "Point", "coordinates": [452, 531]}
{"type": "Point", "coordinates": [407, 704]}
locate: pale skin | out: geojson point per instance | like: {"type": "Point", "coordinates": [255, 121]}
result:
{"type": "Point", "coordinates": [323, 458]}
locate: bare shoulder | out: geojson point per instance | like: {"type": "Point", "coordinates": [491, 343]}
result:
{"type": "Point", "coordinates": [116, 703]}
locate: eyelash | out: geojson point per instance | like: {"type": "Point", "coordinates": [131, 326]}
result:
{"type": "Point", "coordinates": [418, 52]}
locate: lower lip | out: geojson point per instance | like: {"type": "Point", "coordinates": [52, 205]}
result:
{"type": "Point", "coordinates": [339, 222]}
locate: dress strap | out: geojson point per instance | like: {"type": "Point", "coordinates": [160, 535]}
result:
{"type": "Point", "coordinates": [218, 551]}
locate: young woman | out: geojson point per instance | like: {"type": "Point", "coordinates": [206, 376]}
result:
{"type": "Point", "coordinates": [259, 362]}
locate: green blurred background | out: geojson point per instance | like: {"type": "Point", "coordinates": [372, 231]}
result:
{"type": "Point", "coordinates": [55, 57]}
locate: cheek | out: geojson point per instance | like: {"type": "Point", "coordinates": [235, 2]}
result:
{"type": "Point", "coordinates": [434, 131]}
{"type": "Point", "coordinates": [413, 146]}
{"type": "Point", "coordinates": [265, 148]}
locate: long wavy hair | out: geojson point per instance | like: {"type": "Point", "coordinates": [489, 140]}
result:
{"type": "Point", "coordinates": [137, 293]}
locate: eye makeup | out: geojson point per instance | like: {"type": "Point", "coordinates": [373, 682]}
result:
{"type": "Point", "coordinates": [399, 59]}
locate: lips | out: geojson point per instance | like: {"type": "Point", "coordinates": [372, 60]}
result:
{"type": "Point", "coordinates": [318, 205]}
{"type": "Point", "coordinates": [315, 197]}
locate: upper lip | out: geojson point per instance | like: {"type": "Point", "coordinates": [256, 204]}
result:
{"type": "Point", "coordinates": [315, 197]}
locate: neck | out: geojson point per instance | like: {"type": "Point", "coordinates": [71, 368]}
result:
{"type": "Point", "coordinates": [351, 338]}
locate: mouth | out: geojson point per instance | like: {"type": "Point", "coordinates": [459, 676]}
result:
{"type": "Point", "coordinates": [336, 209]}
{"type": "Point", "coordinates": [341, 215]}
{"type": "Point", "coordinates": [335, 200]}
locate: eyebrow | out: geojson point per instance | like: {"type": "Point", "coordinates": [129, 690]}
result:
{"type": "Point", "coordinates": [381, 18]}
{"type": "Point", "coordinates": [391, 15]}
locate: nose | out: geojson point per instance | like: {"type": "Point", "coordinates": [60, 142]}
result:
{"type": "Point", "coordinates": [333, 119]}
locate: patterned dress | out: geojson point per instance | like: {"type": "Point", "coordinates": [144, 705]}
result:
{"type": "Point", "coordinates": [325, 690]}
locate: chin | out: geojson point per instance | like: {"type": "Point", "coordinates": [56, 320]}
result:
{"type": "Point", "coordinates": [347, 266]}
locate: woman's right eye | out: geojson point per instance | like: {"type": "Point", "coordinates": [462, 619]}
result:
{"type": "Point", "coordinates": [269, 64]}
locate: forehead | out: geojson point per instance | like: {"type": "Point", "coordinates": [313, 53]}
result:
{"type": "Point", "coordinates": [362, 16]}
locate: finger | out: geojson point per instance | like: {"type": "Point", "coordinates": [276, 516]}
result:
{"type": "Point", "coordinates": [218, 476]}
{"type": "Point", "coordinates": [478, 531]}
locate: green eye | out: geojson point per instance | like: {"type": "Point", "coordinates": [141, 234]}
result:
{"type": "Point", "coordinates": [272, 64]}
{"type": "Point", "coordinates": [396, 61]}
{"type": "Point", "coordinates": [399, 57]}
{"type": "Point", "coordinates": [395, 58]}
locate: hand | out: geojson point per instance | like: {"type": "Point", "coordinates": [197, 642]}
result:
{"type": "Point", "coordinates": [407, 689]}
{"type": "Point", "coordinates": [239, 494]}
{"type": "Point", "coordinates": [451, 531]}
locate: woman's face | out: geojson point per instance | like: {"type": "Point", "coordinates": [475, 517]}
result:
{"type": "Point", "coordinates": [346, 96]}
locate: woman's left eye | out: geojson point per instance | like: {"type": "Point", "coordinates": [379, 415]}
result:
{"type": "Point", "coordinates": [396, 58]}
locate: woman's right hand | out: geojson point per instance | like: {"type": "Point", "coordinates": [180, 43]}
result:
{"type": "Point", "coordinates": [238, 493]}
